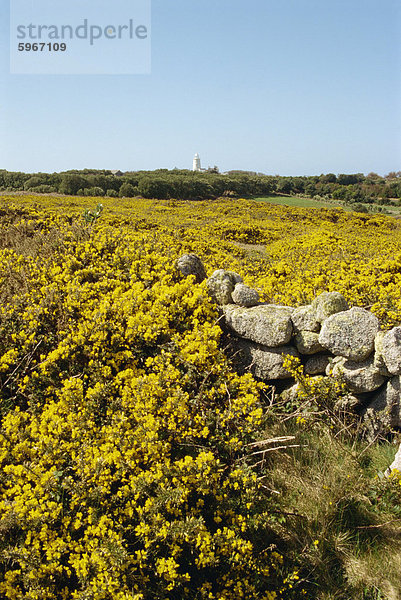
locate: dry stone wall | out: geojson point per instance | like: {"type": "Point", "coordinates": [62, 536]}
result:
{"type": "Point", "coordinates": [331, 338]}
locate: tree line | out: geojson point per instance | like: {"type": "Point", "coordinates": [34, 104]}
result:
{"type": "Point", "coordinates": [185, 184]}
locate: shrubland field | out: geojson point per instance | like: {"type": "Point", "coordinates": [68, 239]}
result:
{"type": "Point", "coordinates": [130, 450]}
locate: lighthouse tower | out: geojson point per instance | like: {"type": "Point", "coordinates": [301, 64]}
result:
{"type": "Point", "coordinates": [197, 163]}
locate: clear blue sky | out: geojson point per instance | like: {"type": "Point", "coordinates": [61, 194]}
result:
{"type": "Point", "coordinates": [289, 87]}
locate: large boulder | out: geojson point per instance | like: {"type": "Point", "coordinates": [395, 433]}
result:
{"type": "Point", "coordinates": [345, 403]}
{"type": "Point", "coordinates": [327, 304]}
{"type": "Point", "coordinates": [265, 363]}
{"type": "Point", "coordinates": [317, 364]}
{"type": "Point", "coordinates": [391, 350]}
{"type": "Point", "coordinates": [379, 359]}
{"type": "Point", "coordinates": [387, 400]}
{"type": "Point", "coordinates": [350, 333]}
{"type": "Point", "coordinates": [190, 264]}
{"type": "Point", "coordinates": [243, 295]}
{"type": "Point", "coordinates": [296, 391]}
{"type": "Point", "coordinates": [221, 285]}
{"type": "Point", "coordinates": [290, 392]}
{"type": "Point", "coordinates": [359, 377]}
{"type": "Point", "coordinates": [265, 324]}
{"type": "Point", "coordinates": [304, 319]}
{"type": "Point", "coordinates": [307, 342]}
{"type": "Point", "coordinates": [396, 464]}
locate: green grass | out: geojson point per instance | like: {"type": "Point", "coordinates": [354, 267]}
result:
{"type": "Point", "coordinates": [312, 203]}
{"type": "Point", "coordinates": [341, 523]}
{"type": "Point", "coordinates": [298, 201]}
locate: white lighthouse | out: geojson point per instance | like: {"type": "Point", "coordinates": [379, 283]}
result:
{"type": "Point", "coordinates": [197, 163]}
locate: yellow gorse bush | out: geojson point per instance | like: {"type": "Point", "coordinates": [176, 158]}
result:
{"type": "Point", "coordinates": [123, 427]}
{"type": "Point", "coordinates": [122, 424]}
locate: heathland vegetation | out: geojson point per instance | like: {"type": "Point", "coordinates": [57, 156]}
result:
{"type": "Point", "coordinates": [349, 189]}
{"type": "Point", "coordinates": [135, 463]}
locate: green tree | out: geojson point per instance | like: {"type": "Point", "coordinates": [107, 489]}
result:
{"type": "Point", "coordinates": [154, 187]}
{"type": "Point", "coordinates": [285, 185]}
{"type": "Point", "coordinates": [94, 191]}
{"type": "Point", "coordinates": [350, 179]}
{"type": "Point", "coordinates": [329, 178]}
{"type": "Point", "coordinates": [34, 181]}
{"type": "Point", "coordinates": [71, 183]}
{"type": "Point", "coordinates": [127, 190]}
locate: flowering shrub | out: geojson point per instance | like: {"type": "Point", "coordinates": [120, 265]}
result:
{"type": "Point", "coordinates": [124, 430]}
{"type": "Point", "coordinates": [122, 426]}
